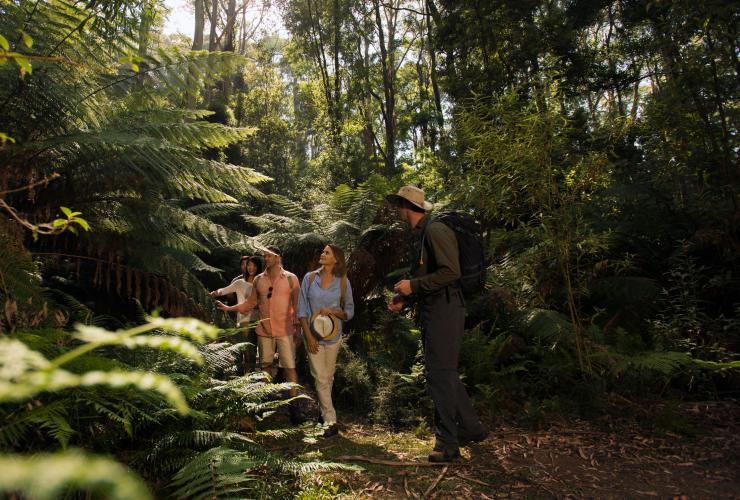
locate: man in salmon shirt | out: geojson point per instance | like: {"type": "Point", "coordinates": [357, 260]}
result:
{"type": "Point", "coordinates": [275, 293]}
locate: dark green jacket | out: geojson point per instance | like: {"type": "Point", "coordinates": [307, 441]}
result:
{"type": "Point", "coordinates": [439, 264]}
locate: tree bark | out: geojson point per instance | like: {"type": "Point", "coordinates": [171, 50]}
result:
{"type": "Point", "coordinates": [317, 38]}
{"type": "Point", "coordinates": [387, 64]}
{"type": "Point", "coordinates": [337, 74]}
{"type": "Point", "coordinates": [212, 41]}
{"type": "Point", "coordinates": [199, 25]}
{"type": "Point", "coordinates": [229, 29]}
{"type": "Point", "coordinates": [433, 68]}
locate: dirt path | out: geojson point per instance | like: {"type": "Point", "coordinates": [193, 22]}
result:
{"type": "Point", "coordinates": [606, 458]}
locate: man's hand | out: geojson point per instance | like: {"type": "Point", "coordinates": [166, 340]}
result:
{"type": "Point", "coordinates": [396, 303]}
{"type": "Point", "coordinates": [221, 305]}
{"type": "Point", "coordinates": [214, 293]}
{"type": "Point", "coordinates": [403, 287]}
{"type": "Point", "coordinates": [395, 306]}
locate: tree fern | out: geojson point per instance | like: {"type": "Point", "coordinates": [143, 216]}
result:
{"type": "Point", "coordinates": [343, 220]}
{"type": "Point", "coordinates": [127, 159]}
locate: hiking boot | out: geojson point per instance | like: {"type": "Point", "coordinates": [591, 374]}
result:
{"type": "Point", "coordinates": [297, 415]}
{"type": "Point", "coordinates": [444, 456]}
{"type": "Point", "coordinates": [331, 430]}
{"type": "Point", "coordinates": [475, 438]}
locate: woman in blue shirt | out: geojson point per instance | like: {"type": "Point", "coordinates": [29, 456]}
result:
{"type": "Point", "coordinates": [325, 292]}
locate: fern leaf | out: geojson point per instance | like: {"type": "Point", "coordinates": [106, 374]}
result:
{"type": "Point", "coordinates": [62, 470]}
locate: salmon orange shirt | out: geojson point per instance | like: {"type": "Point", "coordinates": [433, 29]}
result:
{"type": "Point", "coordinates": [278, 311]}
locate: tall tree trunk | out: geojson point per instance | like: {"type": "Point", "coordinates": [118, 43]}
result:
{"type": "Point", "coordinates": [369, 139]}
{"type": "Point", "coordinates": [332, 97]}
{"type": "Point", "coordinates": [145, 26]}
{"type": "Point", "coordinates": [387, 64]}
{"type": "Point", "coordinates": [200, 22]}
{"type": "Point", "coordinates": [229, 43]}
{"type": "Point", "coordinates": [433, 68]}
{"type": "Point", "coordinates": [229, 29]}
{"type": "Point", "coordinates": [212, 41]}
{"type": "Point", "coordinates": [427, 133]}
{"type": "Point", "coordinates": [243, 34]}
{"type": "Point", "coordinates": [337, 73]}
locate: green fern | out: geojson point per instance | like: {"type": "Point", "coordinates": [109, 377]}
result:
{"type": "Point", "coordinates": [223, 472]}
{"type": "Point", "coordinates": [133, 164]}
{"type": "Point", "coordinates": [71, 469]}
{"type": "Point", "coordinates": [344, 220]}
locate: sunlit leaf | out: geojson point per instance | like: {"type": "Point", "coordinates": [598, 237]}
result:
{"type": "Point", "coordinates": [24, 64]}
{"type": "Point", "coordinates": [27, 40]}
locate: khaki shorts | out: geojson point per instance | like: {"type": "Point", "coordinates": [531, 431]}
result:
{"type": "Point", "coordinates": [285, 349]}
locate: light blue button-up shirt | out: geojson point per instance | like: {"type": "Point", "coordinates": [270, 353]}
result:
{"type": "Point", "coordinates": [313, 297]}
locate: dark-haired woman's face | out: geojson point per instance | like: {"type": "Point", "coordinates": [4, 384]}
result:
{"type": "Point", "coordinates": [251, 268]}
{"type": "Point", "coordinates": [327, 257]}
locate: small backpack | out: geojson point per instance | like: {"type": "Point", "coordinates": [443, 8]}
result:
{"type": "Point", "coordinates": [470, 249]}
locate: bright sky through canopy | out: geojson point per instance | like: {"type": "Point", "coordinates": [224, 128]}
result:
{"type": "Point", "coordinates": [180, 18]}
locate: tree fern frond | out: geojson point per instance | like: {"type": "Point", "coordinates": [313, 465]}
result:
{"type": "Point", "coordinates": [545, 324]}
{"type": "Point", "coordinates": [210, 210]}
{"type": "Point", "coordinates": [222, 471]}
{"type": "Point", "coordinates": [164, 72]}
{"type": "Point", "coordinates": [170, 343]}
{"type": "Point", "coordinates": [62, 470]}
{"type": "Point", "coordinates": [293, 209]}
{"type": "Point", "coordinates": [53, 418]}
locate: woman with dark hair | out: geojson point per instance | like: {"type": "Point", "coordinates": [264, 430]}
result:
{"type": "Point", "coordinates": [242, 286]}
{"type": "Point", "coordinates": [324, 304]}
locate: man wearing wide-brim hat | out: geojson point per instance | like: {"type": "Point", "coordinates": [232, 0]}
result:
{"type": "Point", "coordinates": [435, 286]}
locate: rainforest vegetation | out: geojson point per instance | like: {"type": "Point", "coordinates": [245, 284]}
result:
{"type": "Point", "coordinates": [595, 142]}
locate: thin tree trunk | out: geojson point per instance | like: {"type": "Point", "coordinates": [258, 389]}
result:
{"type": "Point", "coordinates": [433, 71]}
{"type": "Point", "coordinates": [212, 43]}
{"type": "Point", "coordinates": [199, 25]}
{"type": "Point", "coordinates": [337, 74]}
{"type": "Point", "coordinates": [145, 26]}
{"type": "Point", "coordinates": [243, 37]}
{"type": "Point", "coordinates": [387, 67]}
{"type": "Point", "coordinates": [635, 94]}
{"type": "Point", "coordinates": [320, 55]}
{"type": "Point", "coordinates": [369, 139]}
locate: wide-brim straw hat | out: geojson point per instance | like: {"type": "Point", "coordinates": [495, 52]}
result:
{"type": "Point", "coordinates": [325, 327]}
{"type": "Point", "coordinates": [413, 195]}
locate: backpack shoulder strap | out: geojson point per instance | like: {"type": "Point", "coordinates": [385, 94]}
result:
{"type": "Point", "coordinates": [424, 240]}
{"type": "Point", "coordinates": [290, 282]}
{"type": "Point", "coordinates": [312, 277]}
{"type": "Point", "coordinates": [342, 290]}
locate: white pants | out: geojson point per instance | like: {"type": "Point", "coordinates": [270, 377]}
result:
{"type": "Point", "coordinates": [323, 365]}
